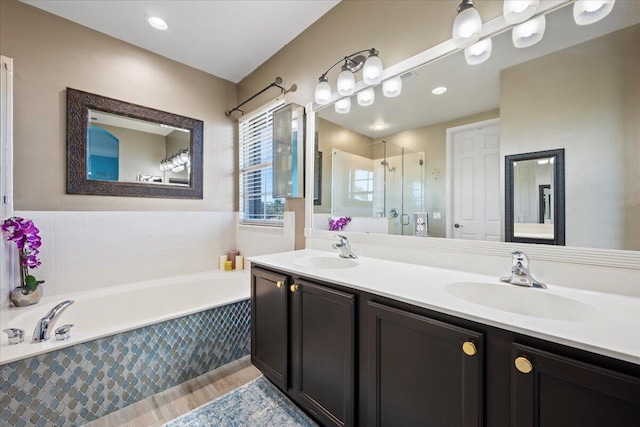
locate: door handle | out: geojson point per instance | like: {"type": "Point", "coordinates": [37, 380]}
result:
{"type": "Point", "coordinates": [456, 225]}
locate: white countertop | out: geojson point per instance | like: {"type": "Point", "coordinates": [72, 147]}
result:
{"type": "Point", "coordinates": [612, 327]}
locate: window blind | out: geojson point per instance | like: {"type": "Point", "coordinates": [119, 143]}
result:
{"type": "Point", "coordinates": [257, 204]}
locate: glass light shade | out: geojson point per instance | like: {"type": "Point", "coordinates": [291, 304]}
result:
{"type": "Point", "coordinates": [178, 168]}
{"type": "Point", "coordinates": [479, 52]}
{"type": "Point", "coordinates": [392, 87]}
{"type": "Point", "coordinates": [587, 12]}
{"type": "Point", "coordinates": [323, 92]}
{"type": "Point", "coordinates": [176, 161]}
{"type": "Point", "coordinates": [346, 83]}
{"type": "Point", "coordinates": [529, 33]}
{"type": "Point", "coordinates": [157, 23]}
{"type": "Point", "coordinates": [516, 11]}
{"type": "Point", "coordinates": [184, 157]}
{"type": "Point", "coordinates": [372, 70]}
{"type": "Point", "coordinates": [366, 97]}
{"type": "Point", "coordinates": [343, 106]}
{"type": "Point", "coordinates": [467, 28]}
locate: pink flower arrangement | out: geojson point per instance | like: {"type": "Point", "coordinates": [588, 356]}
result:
{"type": "Point", "coordinates": [338, 224]}
{"type": "Point", "coordinates": [25, 234]}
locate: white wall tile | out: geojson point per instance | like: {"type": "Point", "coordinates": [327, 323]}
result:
{"type": "Point", "coordinates": [65, 222]}
{"type": "Point", "coordinates": [71, 274]}
{"type": "Point", "coordinates": [70, 243]}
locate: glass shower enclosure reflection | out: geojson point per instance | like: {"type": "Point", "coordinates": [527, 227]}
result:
{"type": "Point", "coordinates": [387, 186]}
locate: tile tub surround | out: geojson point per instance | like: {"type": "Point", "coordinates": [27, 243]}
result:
{"type": "Point", "coordinates": [604, 330]}
{"type": "Point", "coordinates": [87, 250]}
{"type": "Point", "coordinates": [81, 383]}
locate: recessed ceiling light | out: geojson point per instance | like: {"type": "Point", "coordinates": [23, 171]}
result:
{"type": "Point", "coordinates": [157, 23]}
{"type": "Point", "coordinates": [439, 90]}
{"type": "Point", "coordinates": [379, 126]}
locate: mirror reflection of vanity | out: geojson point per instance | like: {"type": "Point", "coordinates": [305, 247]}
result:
{"type": "Point", "coordinates": [577, 90]}
{"type": "Point", "coordinates": [120, 149]}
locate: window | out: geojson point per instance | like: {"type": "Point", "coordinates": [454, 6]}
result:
{"type": "Point", "coordinates": [257, 204]}
{"type": "Point", "coordinates": [361, 185]}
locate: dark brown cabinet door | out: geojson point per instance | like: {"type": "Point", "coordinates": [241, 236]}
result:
{"type": "Point", "coordinates": [421, 372]}
{"type": "Point", "coordinates": [269, 335]}
{"type": "Point", "coordinates": [554, 391]}
{"type": "Point", "coordinates": [323, 325]}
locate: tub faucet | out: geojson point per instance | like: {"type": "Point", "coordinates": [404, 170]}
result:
{"type": "Point", "coordinates": [520, 274]}
{"type": "Point", "coordinates": [345, 248]}
{"type": "Point", "coordinates": [45, 325]}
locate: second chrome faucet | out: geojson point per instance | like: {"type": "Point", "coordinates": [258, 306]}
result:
{"type": "Point", "coordinates": [520, 274]}
{"type": "Point", "coordinates": [345, 248]}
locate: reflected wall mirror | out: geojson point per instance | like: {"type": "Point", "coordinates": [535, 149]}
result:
{"type": "Point", "coordinates": [576, 90]}
{"type": "Point", "coordinates": [115, 148]}
{"type": "Point", "coordinates": [534, 198]}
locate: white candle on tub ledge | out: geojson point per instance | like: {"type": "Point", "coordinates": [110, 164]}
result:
{"type": "Point", "coordinates": [239, 262]}
{"type": "Point", "coordinates": [223, 259]}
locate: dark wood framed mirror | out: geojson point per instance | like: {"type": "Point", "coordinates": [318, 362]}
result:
{"type": "Point", "coordinates": [535, 197]}
{"type": "Point", "coordinates": [115, 148]}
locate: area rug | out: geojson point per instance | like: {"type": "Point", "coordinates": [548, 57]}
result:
{"type": "Point", "coordinates": [258, 403]}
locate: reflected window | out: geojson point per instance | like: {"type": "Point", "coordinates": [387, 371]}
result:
{"type": "Point", "coordinates": [361, 185]}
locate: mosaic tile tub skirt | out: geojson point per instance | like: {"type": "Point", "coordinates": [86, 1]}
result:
{"type": "Point", "coordinates": [78, 384]}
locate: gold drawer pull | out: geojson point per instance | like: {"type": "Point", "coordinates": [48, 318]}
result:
{"type": "Point", "coordinates": [294, 288]}
{"type": "Point", "coordinates": [523, 365]}
{"type": "Point", "coordinates": [279, 283]}
{"type": "Point", "coordinates": [469, 348]}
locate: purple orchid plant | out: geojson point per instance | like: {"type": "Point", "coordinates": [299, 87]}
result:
{"type": "Point", "coordinates": [25, 235]}
{"type": "Point", "coordinates": [338, 224]}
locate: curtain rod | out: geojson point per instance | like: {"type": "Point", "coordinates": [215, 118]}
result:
{"type": "Point", "coordinates": [276, 83]}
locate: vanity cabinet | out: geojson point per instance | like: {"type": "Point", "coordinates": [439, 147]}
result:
{"type": "Point", "coordinates": [303, 340]}
{"type": "Point", "coordinates": [549, 390]}
{"type": "Point", "coordinates": [353, 358]}
{"type": "Point", "coordinates": [422, 371]}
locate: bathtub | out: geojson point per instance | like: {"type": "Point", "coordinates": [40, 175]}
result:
{"type": "Point", "coordinates": [129, 342]}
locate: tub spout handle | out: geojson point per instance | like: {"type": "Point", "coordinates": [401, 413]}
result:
{"type": "Point", "coordinates": [63, 332]}
{"type": "Point", "coordinates": [16, 336]}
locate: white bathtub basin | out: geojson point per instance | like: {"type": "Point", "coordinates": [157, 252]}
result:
{"type": "Point", "coordinates": [525, 301]}
{"type": "Point", "coordinates": [325, 262]}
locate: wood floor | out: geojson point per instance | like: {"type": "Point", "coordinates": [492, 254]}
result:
{"type": "Point", "coordinates": [157, 410]}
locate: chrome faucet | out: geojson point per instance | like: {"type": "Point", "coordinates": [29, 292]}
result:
{"type": "Point", "coordinates": [45, 325]}
{"type": "Point", "coordinates": [520, 274]}
{"type": "Point", "coordinates": [345, 248]}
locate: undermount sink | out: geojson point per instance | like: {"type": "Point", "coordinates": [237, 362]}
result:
{"type": "Point", "coordinates": [329, 263]}
{"type": "Point", "coordinates": [524, 301]}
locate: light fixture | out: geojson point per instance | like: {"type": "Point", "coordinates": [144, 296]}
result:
{"type": "Point", "coordinates": [587, 12]}
{"type": "Point", "coordinates": [366, 97]}
{"type": "Point", "coordinates": [379, 126]}
{"type": "Point", "coordinates": [346, 82]}
{"type": "Point", "coordinates": [479, 52]}
{"type": "Point", "coordinates": [177, 161]}
{"type": "Point", "coordinates": [467, 26]}
{"type": "Point", "coordinates": [372, 71]}
{"type": "Point", "coordinates": [371, 66]}
{"type": "Point", "coordinates": [157, 23]}
{"type": "Point", "coordinates": [439, 90]}
{"type": "Point", "coordinates": [529, 33]}
{"type": "Point", "coordinates": [516, 11]}
{"type": "Point", "coordinates": [392, 87]}
{"type": "Point", "coordinates": [343, 106]}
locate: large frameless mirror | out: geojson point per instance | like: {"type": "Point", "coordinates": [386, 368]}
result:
{"type": "Point", "coordinates": [577, 90]}
{"type": "Point", "coordinates": [120, 149]}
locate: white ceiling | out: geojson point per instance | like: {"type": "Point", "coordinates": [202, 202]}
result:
{"type": "Point", "coordinates": [226, 38]}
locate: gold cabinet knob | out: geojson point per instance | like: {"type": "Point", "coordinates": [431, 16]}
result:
{"type": "Point", "coordinates": [279, 283]}
{"type": "Point", "coordinates": [523, 365]}
{"type": "Point", "coordinates": [294, 288]}
{"type": "Point", "coordinates": [469, 348]}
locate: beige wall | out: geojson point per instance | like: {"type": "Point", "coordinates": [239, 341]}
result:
{"type": "Point", "coordinates": [595, 121]}
{"type": "Point", "coordinates": [51, 54]}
